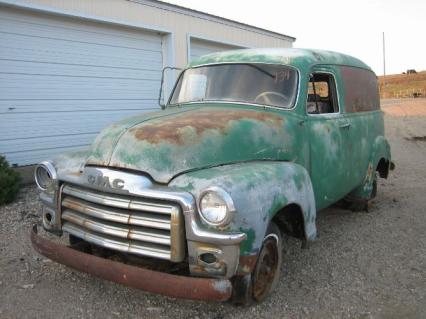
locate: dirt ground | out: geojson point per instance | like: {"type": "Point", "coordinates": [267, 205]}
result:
{"type": "Point", "coordinates": [363, 265]}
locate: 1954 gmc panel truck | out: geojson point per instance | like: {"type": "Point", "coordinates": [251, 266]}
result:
{"type": "Point", "coordinates": [193, 200]}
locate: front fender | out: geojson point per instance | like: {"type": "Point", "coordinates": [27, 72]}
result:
{"type": "Point", "coordinates": [70, 164]}
{"type": "Point", "coordinates": [259, 190]}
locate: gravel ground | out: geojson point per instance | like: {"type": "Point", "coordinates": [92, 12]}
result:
{"type": "Point", "coordinates": [363, 265]}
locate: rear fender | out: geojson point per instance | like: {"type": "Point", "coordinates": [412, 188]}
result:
{"type": "Point", "coordinates": [380, 150]}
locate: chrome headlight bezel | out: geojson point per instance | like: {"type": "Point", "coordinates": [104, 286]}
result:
{"type": "Point", "coordinates": [225, 197]}
{"type": "Point", "coordinates": [45, 176]}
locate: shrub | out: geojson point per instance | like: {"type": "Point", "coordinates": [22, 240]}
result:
{"type": "Point", "coordinates": [9, 182]}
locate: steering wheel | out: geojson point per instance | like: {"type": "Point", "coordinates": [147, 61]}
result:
{"type": "Point", "coordinates": [264, 96]}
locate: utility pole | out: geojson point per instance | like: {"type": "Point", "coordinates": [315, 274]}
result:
{"type": "Point", "coordinates": [384, 65]}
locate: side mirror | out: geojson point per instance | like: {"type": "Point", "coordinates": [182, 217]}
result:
{"type": "Point", "coordinates": [160, 95]}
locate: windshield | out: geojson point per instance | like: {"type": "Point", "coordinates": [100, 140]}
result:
{"type": "Point", "coordinates": [265, 84]}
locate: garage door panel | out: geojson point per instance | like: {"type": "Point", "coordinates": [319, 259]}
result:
{"type": "Point", "coordinates": [92, 33]}
{"type": "Point", "coordinates": [27, 145]}
{"type": "Point", "coordinates": [31, 35]}
{"type": "Point", "coordinates": [36, 68]}
{"type": "Point", "coordinates": [22, 125]}
{"type": "Point", "coordinates": [62, 80]}
{"type": "Point", "coordinates": [21, 41]}
{"type": "Point", "coordinates": [46, 57]}
{"type": "Point", "coordinates": [42, 50]}
{"type": "Point", "coordinates": [64, 133]}
{"type": "Point", "coordinates": [18, 86]}
{"type": "Point", "coordinates": [62, 24]}
{"type": "Point", "coordinates": [70, 106]}
{"type": "Point", "coordinates": [37, 156]}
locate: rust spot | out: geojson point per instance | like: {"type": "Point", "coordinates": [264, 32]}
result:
{"type": "Point", "coordinates": [73, 205]}
{"type": "Point", "coordinates": [171, 129]}
{"type": "Point", "coordinates": [215, 268]}
{"type": "Point", "coordinates": [76, 174]}
{"type": "Point", "coordinates": [246, 264]}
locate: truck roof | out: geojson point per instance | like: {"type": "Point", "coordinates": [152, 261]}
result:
{"type": "Point", "coordinates": [300, 58]}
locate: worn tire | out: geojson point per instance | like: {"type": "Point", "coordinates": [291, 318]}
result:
{"type": "Point", "coordinates": [256, 286]}
{"type": "Point", "coordinates": [359, 204]}
{"type": "Point", "coordinates": [374, 191]}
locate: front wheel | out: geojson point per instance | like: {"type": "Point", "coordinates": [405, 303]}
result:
{"type": "Point", "coordinates": [258, 285]}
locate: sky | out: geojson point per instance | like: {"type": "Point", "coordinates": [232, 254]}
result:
{"type": "Point", "coordinates": [351, 27]}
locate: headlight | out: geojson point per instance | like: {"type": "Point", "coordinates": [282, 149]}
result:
{"type": "Point", "coordinates": [45, 175]}
{"type": "Point", "coordinates": [216, 206]}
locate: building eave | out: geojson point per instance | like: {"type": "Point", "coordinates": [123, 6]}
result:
{"type": "Point", "coordinates": [207, 16]}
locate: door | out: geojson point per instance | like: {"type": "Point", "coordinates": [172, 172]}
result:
{"type": "Point", "coordinates": [63, 79]}
{"type": "Point", "coordinates": [328, 137]}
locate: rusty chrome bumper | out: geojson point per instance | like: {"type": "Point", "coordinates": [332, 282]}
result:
{"type": "Point", "coordinates": [132, 276]}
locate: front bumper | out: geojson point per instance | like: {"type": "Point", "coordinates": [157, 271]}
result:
{"type": "Point", "coordinates": [132, 276]}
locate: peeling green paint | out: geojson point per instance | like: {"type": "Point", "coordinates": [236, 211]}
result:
{"type": "Point", "coordinates": [299, 58]}
{"type": "Point", "coordinates": [280, 200]}
{"type": "Point", "coordinates": [247, 245]}
{"type": "Point", "coordinates": [259, 190]}
{"type": "Point", "coordinates": [178, 142]}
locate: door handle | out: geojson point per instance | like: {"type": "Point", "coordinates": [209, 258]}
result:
{"type": "Point", "coordinates": [346, 125]}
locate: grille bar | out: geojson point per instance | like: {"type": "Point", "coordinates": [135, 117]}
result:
{"type": "Point", "coordinates": [112, 229]}
{"type": "Point", "coordinates": [142, 226]}
{"type": "Point", "coordinates": [113, 243]}
{"type": "Point", "coordinates": [116, 200]}
{"type": "Point", "coordinates": [117, 215]}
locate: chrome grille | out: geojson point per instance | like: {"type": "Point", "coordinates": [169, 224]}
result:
{"type": "Point", "coordinates": [134, 225]}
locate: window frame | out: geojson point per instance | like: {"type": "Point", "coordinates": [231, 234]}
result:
{"type": "Point", "coordinates": [336, 93]}
{"type": "Point", "coordinates": [294, 106]}
{"type": "Point", "coordinates": [343, 77]}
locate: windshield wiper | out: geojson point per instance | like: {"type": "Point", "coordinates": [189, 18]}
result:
{"type": "Point", "coordinates": [261, 70]}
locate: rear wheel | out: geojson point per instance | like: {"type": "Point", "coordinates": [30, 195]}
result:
{"type": "Point", "coordinates": [358, 204]}
{"type": "Point", "coordinates": [264, 278]}
{"type": "Point", "coordinates": [374, 190]}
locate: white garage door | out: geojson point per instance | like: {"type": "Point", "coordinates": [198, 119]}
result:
{"type": "Point", "coordinates": [62, 80]}
{"type": "Point", "coordinates": [201, 47]}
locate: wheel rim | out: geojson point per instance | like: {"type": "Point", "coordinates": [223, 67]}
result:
{"type": "Point", "coordinates": [266, 268]}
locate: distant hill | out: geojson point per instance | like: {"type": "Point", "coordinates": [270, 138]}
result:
{"type": "Point", "coordinates": [403, 85]}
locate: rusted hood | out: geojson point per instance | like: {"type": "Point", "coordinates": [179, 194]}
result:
{"type": "Point", "coordinates": [190, 138]}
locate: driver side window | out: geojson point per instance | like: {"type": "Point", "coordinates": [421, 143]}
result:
{"type": "Point", "coordinates": [322, 94]}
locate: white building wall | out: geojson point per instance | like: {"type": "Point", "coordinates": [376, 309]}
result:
{"type": "Point", "coordinates": [156, 15]}
{"type": "Point", "coordinates": [198, 48]}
